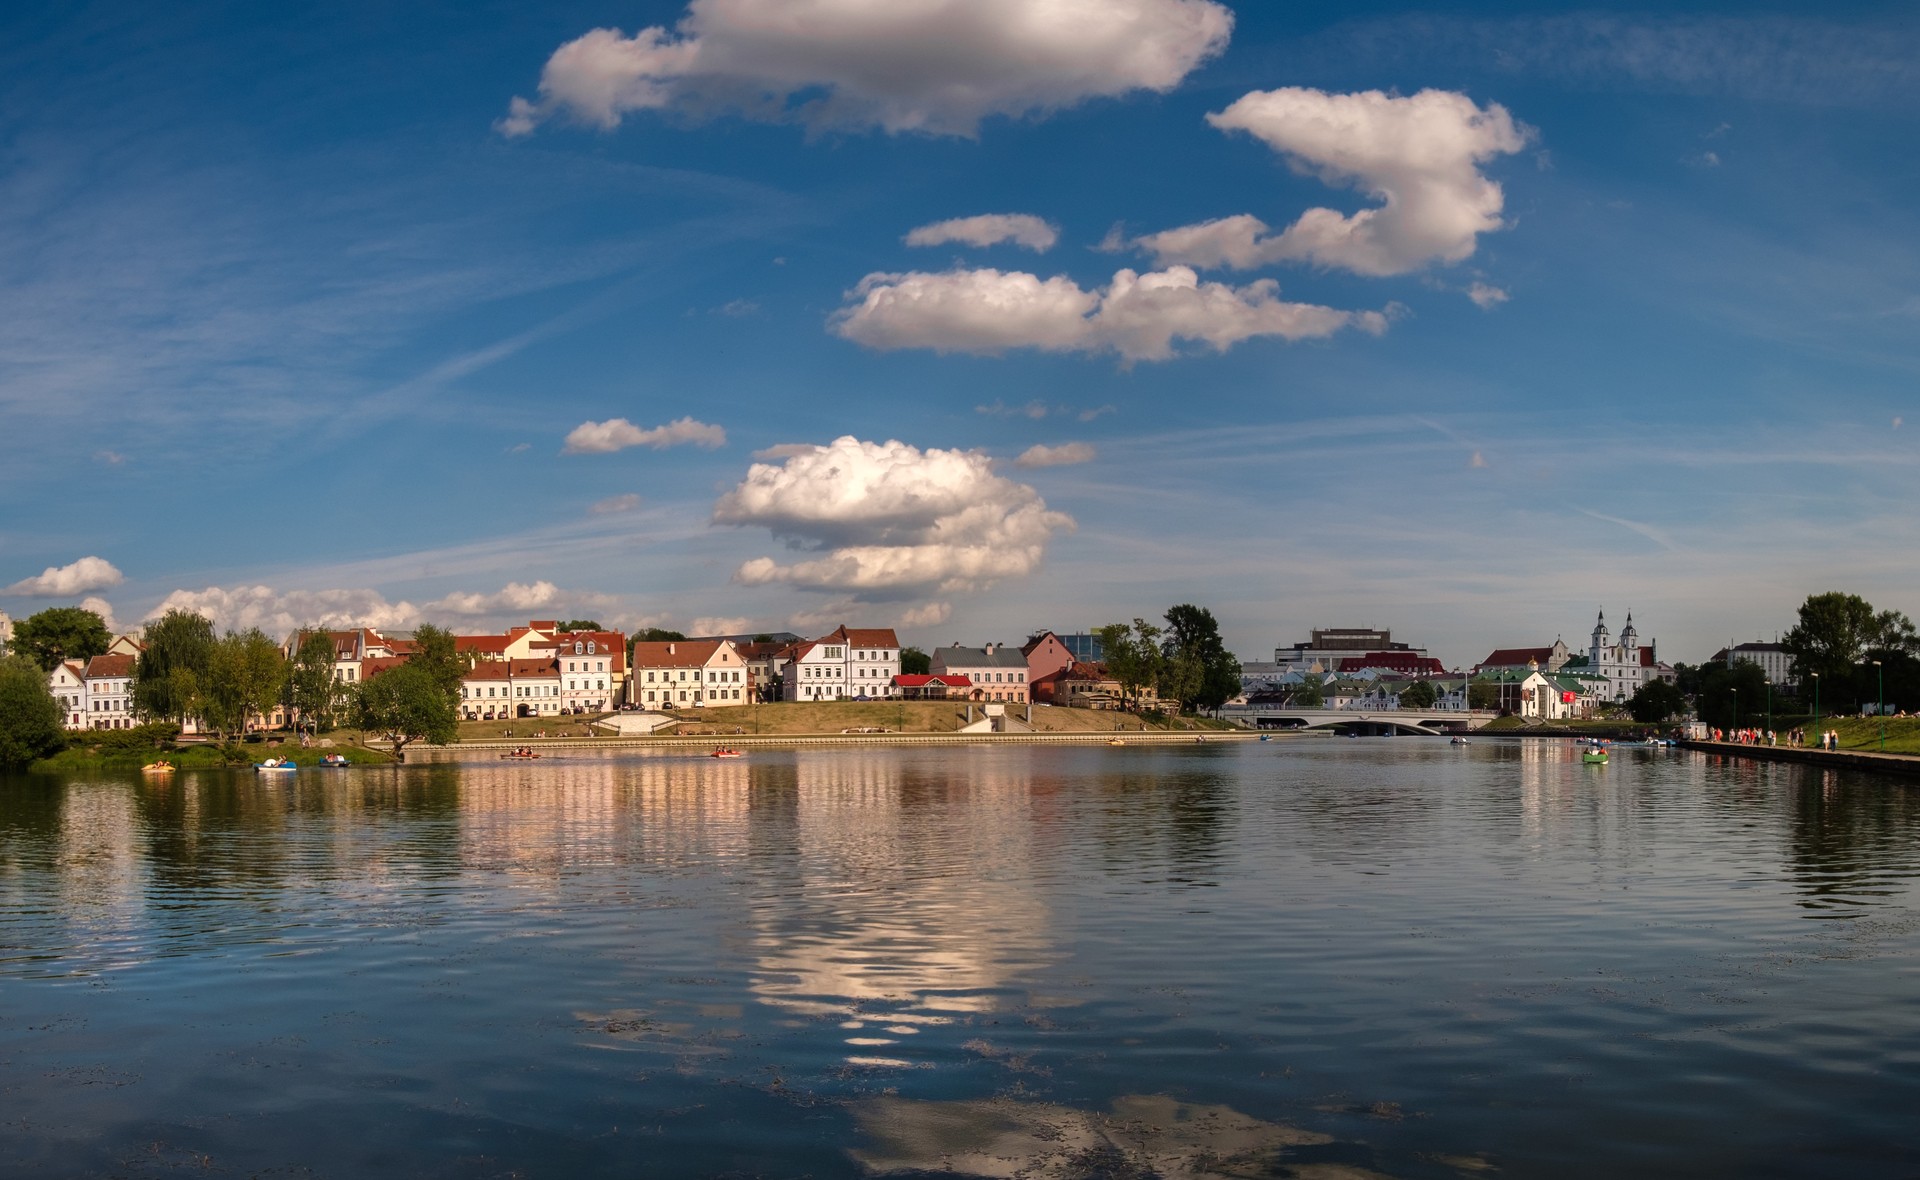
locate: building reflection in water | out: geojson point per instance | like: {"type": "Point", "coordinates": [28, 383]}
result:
{"type": "Point", "coordinates": [892, 893]}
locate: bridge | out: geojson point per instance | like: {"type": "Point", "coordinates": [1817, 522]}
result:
{"type": "Point", "coordinates": [1431, 722]}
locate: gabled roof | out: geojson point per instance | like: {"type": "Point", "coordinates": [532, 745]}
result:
{"type": "Point", "coordinates": [1034, 642]}
{"type": "Point", "coordinates": [491, 645]}
{"type": "Point", "coordinates": [109, 667]}
{"type": "Point", "coordinates": [864, 636]}
{"type": "Point", "coordinates": [979, 657]}
{"type": "Point", "coordinates": [675, 653]}
{"type": "Point", "coordinates": [613, 643]}
{"type": "Point", "coordinates": [1517, 657]}
{"type": "Point", "coordinates": [374, 665]}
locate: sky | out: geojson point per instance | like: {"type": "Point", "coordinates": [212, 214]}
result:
{"type": "Point", "coordinates": [968, 317]}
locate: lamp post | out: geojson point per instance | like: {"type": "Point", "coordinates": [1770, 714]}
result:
{"type": "Point", "coordinates": [1816, 700]}
{"type": "Point", "coordinates": [1736, 708]}
{"type": "Point", "coordinates": [1880, 705]}
{"type": "Point", "coordinates": [1769, 704]}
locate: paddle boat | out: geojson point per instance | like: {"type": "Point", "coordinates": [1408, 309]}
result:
{"type": "Point", "coordinates": [1116, 741]}
{"type": "Point", "coordinates": [1458, 741]}
{"type": "Point", "coordinates": [272, 765]}
{"type": "Point", "coordinates": [332, 761]}
{"type": "Point", "coordinates": [161, 767]}
{"type": "Point", "coordinates": [727, 752]}
{"type": "Point", "coordinates": [1596, 757]}
{"type": "Point", "coordinates": [521, 753]}
{"type": "Point", "coordinates": [1266, 737]}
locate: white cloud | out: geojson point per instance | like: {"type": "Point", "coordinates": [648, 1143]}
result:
{"type": "Point", "coordinates": [614, 504]}
{"type": "Point", "coordinates": [888, 519]}
{"type": "Point", "coordinates": [988, 229]}
{"type": "Point", "coordinates": [931, 614]}
{"type": "Point", "coordinates": [1064, 455]}
{"type": "Point", "coordinates": [61, 581]}
{"type": "Point", "coordinates": [933, 66]}
{"type": "Point", "coordinates": [617, 434]}
{"type": "Point", "coordinates": [721, 625]}
{"type": "Point", "coordinates": [278, 613]}
{"type": "Point", "coordinates": [1138, 316]}
{"type": "Point", "coordinates": [512, 598]}
{"type": "Point", "coordinates": [1419, 156]}
{"type": "Point", "coordinates": [1486, 296]}
{"type": "Point", "coordinates": [784, 451]}
{"type": "Point", "coordinates": [103, 608]}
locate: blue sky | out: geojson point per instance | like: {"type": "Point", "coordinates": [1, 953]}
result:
{"type": "Point", "coordinates": [298, 314]}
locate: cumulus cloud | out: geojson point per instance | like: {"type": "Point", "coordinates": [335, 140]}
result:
{"type": "Point", "coordinates": [1064, 455]}
{"type": "Point", "coordinates": [514, 597]}
{"type": "Point", "coordinates": [989, 229]}
{"type": "Point", "coordinates": [280, 612]}
{"type": "Point", "coordinates": [1486, 296]}
{"type": "Point", "coordinates": [103, 608]}
{"type": "Point", "coordinates": [613, 504]}
{"type": "Point", "coordinates": [784, 451]}
{"type": "Point", "coordinates": [62, 581]}
{"type": "Point", "coordinates": [1138, 316]}
{"type": "Point", "coordinates": [889, 520]}
{"type": "Point", "coordinates": [932, 66]}
{"type": "Point", "coordinates": [617, 434]}
{"type": "Point", "coordinates": [1419, 156]}
{"type": "Point", "coordinates": [721, 625]}
{"type": "Point", "coordinates": [931, 614]}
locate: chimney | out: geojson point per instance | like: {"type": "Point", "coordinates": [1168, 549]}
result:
{"type": "Point", "coordinates": [669, 649]}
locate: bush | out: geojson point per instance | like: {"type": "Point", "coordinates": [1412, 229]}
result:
{"type": "Point", "coordinates": [155, 735]}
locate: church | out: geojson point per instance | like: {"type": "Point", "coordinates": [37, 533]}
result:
{"type": "Point", "coordinates": [1625, 664]}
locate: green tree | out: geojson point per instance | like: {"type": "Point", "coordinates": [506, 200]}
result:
{"type": "Point", "coordinates": [1132, 655]}
{"type": "Point", "coordinates": [170, 674]}
{"type": "Point", "coordinates": [29, 716]}
{"type": "Point", "coordinates": [581, 625]}
{"type": "Point", "coordinates": [914, 662]}
{"type": "Point", "coordinates": [434, 649]}
{"type": "Point", "coordinates": [1207, 674]}
{"type": "Point", "coordinates": [409, 704]}
{"type": "Point", "coordinates": [1656, 701]}
{"type": "Point", "coordinates": [1308, 696]}
{"type": "Point", "coordinates": [658, 635]}
{"type": "Point", "coordinates": [1483, 695]}
{"type": "Point", "coordinates": [60, 633]}
{"type": "Point", "coordinates": [1833, 635]}
{"type": "Point", "coordinates": [310, 687]}
{"type": "Point", "coordinates": [1419, 695]}
{"type": "Point", "coordinates": [1731, 697]}
{"type": "Point", "coordinates": [245, 676]}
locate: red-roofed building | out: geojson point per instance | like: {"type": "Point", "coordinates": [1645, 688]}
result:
{"type": "Point", "coordinates": [1405, 663]}
{"type": "Point", "coordinates": [915, 687]}
{"type": "Point", "coordinates": [1518, 659]}
{"type": "Point", "coordinates": [688, 673]}
{"type": "Point", "coordinates": [499, 690]}
{"type": "Point", "coordinates": [109, 698]}
{"type": "Point", "coordinates": [1047, 660]}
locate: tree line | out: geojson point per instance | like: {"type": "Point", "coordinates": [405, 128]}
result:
{"type": "Point", "coordinates": [1184, 661]}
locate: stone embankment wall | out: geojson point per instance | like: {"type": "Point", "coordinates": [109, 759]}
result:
{"type": "Point", "coordinates": [1901, 764]}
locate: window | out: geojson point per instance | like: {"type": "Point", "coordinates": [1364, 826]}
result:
{"type": "Point", "coordinates": [590, 647]}
{"type": "Point", "coordinates": [578, 647]}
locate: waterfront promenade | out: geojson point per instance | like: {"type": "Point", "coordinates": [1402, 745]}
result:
{"type": "Point", "coordinates": [1907, 765]}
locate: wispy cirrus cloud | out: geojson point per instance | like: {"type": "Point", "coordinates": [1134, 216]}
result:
{"type": "Point", "coordinates": [989, 229]}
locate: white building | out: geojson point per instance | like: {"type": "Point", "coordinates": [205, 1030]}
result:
{"type": "Point", "coordinates": [1772, 658]}
{"type": "Point", "coordinates": [817, 672]}
{"type": "Point", "coordinates": [1625, 664]}
{"type": "Point", "coordinates": [591, 674]}
{"type": "Point", "coordinates": [685, 673]}
{"type": "Point", "coordinates": [68, 683]}
{"type": "Point", "coordinates": [998, 673]}
{"type": "Point", "coordinates": [109, 695]}
{"type": "Point", "coordinates": [853, 663]}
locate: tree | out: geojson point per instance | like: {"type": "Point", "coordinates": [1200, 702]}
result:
{"type": "Point", "coordinates": [1132, 655]}
{"type": "Point", "coordinates": [409, 704]}
{"type": "Point", "coordinates": [434, 649]}
{"type": "Point", "coordinates": [1483, 694]}
{"type": "Point", "coordinates": [170, 674]}
{"type": "Point", "coordinates": [1730, 697]}
{"type": "Point", "coordinates": [245, 675]}
{"type": "Point", "coordinates": [29, 716]}
{"type": "Point", "coordinates": [580, 625]}
{"type": "Point", "coordinates": [1656, 701]}
{"type": "Point", "coordinates": [310, 686]}
{"type": "Point", "coordinates": [658, 635]}
{"type": "Point", "coordinates": [1832, 638]}
{"type": "Point", "coordinates": [1419, 695]}
{"type": "Point", "coordinates": [60, 633]}
{"type": "Point", "coordinates": [1308, 696]}
{"type": "Point", "coordinates": [1202, 673]}
{"type": "Point", "coordinates": [914, 662]}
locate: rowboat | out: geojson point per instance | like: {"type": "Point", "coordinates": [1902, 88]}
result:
{"type": "Point", "coordinates": [1117, 741]}
{"type": "Point", "coordinates": [727, 754]}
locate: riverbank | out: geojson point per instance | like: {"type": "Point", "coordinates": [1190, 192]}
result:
{"type": "Point", "coordinates": [199, 757]}
{"type": "Point", "coordinates": [706, 743]}
{"type": "Point", "coordinates": [1904, 765]}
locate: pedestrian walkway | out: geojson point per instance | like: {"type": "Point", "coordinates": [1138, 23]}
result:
{"type": "Point", "coordinates": [1868, 760]}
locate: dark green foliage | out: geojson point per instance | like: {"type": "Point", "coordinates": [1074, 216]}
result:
{"type": "Point", "coordinates": [408, 703]}
{"type": "Point", "coordinates": [657, 635]}
{"type": "Point", "coordinates": [1730, 698]}
{"type": "Point", "coordinates": [1199, 670]}
{"type": "Point", "coordinates": [60, 633]}
{"type": "Point", "coordinates": [1308, 696]}
{"type": "Point", "coordinates": [914, 662]}
{"type": "Point", "coordinates": [1655, 702]}
{"type": "Point", "coordinates": [580, 625]}
{"type": "Point", "coordinates": [1836, 637]}
{"type": "Point", "coordinates": [1419, 695]}
{"type": "Point", "coordinates": [170, 674]}
{"type": "Point", "coordinates": [434, 651]}
{"type": "Point", "coordinates": [1483, 695]}
{"type": "Point", "coordinates": [29, 716]}
{"type": "Point", "coordinates": [310, 687]}
{"type": "Point", "coordinates": [245, 675]}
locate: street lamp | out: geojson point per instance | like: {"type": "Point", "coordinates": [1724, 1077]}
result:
{"type": "Point", "coordinates": [1736, 708]}
{"type": "Point", "coordinates": [1816, 701]}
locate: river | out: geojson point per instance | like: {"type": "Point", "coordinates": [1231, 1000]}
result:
{"type": "Point", "coordinates": [1313, 958]}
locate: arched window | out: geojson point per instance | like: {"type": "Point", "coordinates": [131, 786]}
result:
{"type": "Point", "coordinates": [589, 647]}
{"type": "Point", "coordinates": [579, 648]}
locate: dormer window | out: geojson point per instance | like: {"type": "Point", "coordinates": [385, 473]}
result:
{"type": "Point", "coordinates": [589, 647]}
{"type": "Point", "coordinates": [579, 648]}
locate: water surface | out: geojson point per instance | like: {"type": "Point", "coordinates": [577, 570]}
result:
{"type": "Point", "coordinates": [1313, 958]}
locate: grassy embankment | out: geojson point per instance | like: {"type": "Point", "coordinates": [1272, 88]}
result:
{"type": "Point", "coordinates": [1857, 733]}
{"type": "Point", "coordinates": [198, 756]}
{"type": "Point", "coordinates": [817, 717]}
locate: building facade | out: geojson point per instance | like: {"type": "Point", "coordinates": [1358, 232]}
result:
{"type": "Point", "coordinates": [997, 673]}
{"type": "Point", "coordinates": [109, 695]}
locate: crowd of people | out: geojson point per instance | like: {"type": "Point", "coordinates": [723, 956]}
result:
{"type": "Point", "coordinates": [1829, 739]}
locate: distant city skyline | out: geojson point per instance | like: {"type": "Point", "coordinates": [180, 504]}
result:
{"type": "Point", "coordinates": [1462, 326]}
